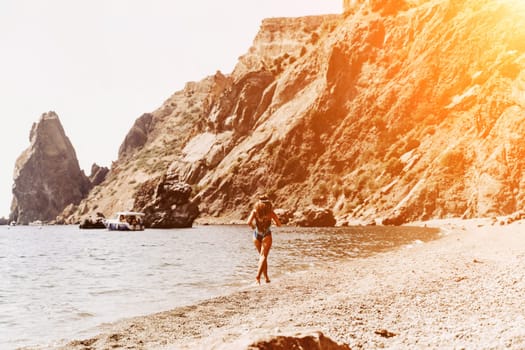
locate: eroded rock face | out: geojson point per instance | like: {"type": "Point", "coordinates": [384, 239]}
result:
{"type": "Point", "coordinates": [395, 111]}
{"type": "Point", "coordinates": [47, 175]}
{"type": "Point", "coordinates": [166, 203]}
{"type": "Point", "coordinates": [137, 136]}
{"type": "Point", "coordinates": [314, 217]}
{"type": "Point", "coordinates": [98, 174]}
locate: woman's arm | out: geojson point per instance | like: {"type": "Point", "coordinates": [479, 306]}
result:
{"type": "Point", "coordinates": [276, 219]}
{"type": "Point", "coordinates": [250, 219]}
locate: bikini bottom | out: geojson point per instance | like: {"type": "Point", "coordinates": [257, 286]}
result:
{"type": "Point", "coordinates": [259, 236]}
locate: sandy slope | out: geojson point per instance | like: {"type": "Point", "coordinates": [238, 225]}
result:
{"type": "Point", "coordinates": [465, 290]}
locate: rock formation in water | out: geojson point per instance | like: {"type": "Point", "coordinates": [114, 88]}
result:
{"type": "Point", "coordinates": [166, 203]}
{"type": "Point", "coordinates": [313, 217]}
{"type": "Point", "coordinates": [392, 112]}
{"type": "Point", "coordinates": [47, 176]}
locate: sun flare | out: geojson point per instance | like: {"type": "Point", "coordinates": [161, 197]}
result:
{"type": "Point", "coordinates": [515, 3]}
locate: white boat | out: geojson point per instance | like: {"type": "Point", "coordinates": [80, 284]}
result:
{"type": "Point", "coordinates": [126, 221]}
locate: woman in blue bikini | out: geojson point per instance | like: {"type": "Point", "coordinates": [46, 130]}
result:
{"type": "Point", "coordinates": [260, 220]}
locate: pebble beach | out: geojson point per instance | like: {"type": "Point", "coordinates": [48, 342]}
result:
{"type": "Point", "coordinates": [463, 290]}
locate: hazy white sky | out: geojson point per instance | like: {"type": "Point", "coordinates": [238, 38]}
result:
{"type": "Point", "coordinates": [100, 64]}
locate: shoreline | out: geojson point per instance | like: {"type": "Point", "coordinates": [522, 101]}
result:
{"type": "Point", "coordinates": [461, 290]}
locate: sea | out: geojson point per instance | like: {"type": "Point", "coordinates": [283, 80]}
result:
{"type": "Point", "coordinates": [59, 283]}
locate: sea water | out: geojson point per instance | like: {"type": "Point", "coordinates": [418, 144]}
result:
{"type": "Point", "coordinates": [60, 282]}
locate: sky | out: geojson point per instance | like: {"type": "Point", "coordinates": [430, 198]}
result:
{"type": "Point", "coordinates": [101, 64]}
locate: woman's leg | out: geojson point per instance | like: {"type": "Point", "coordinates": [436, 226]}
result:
{"type": "Point", "coordinates": [258, 245]}
{"type": "Point", "coordinates": [263, 258]}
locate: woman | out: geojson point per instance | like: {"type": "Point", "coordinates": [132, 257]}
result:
{"type": "Point", "coordinates": [260, 220]}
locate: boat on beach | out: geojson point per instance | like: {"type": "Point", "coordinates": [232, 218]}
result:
{"type": "Point", "coordinates": [126, 221]}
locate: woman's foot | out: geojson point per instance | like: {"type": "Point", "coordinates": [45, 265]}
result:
{"type": "Point", "coordinates": [267, 280]}
{"type": "Point", "coordinates": [258, 281]}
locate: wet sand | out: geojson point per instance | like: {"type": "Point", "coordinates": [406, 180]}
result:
{"type": "Point", "coordinates": [464, 290]}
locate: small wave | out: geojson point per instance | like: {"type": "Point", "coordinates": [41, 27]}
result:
{"type": "Point", "coordinates": [7, 323]}
{"type": "Point", "coordinates": [107, 292]}
{"type": "Point", "coordinates": [196, 284]}
{"type": "Point", "coordinates": [166, 264]}
{"type": "Point", "coordinates": [99, 258]}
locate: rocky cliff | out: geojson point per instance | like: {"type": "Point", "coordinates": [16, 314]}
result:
{"type": "Point", "coordinates": [47, 176]}
{"type": "Point", "coordinates": [394, 111]}
{"type": "Point", "coordinates": [166, 203]}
